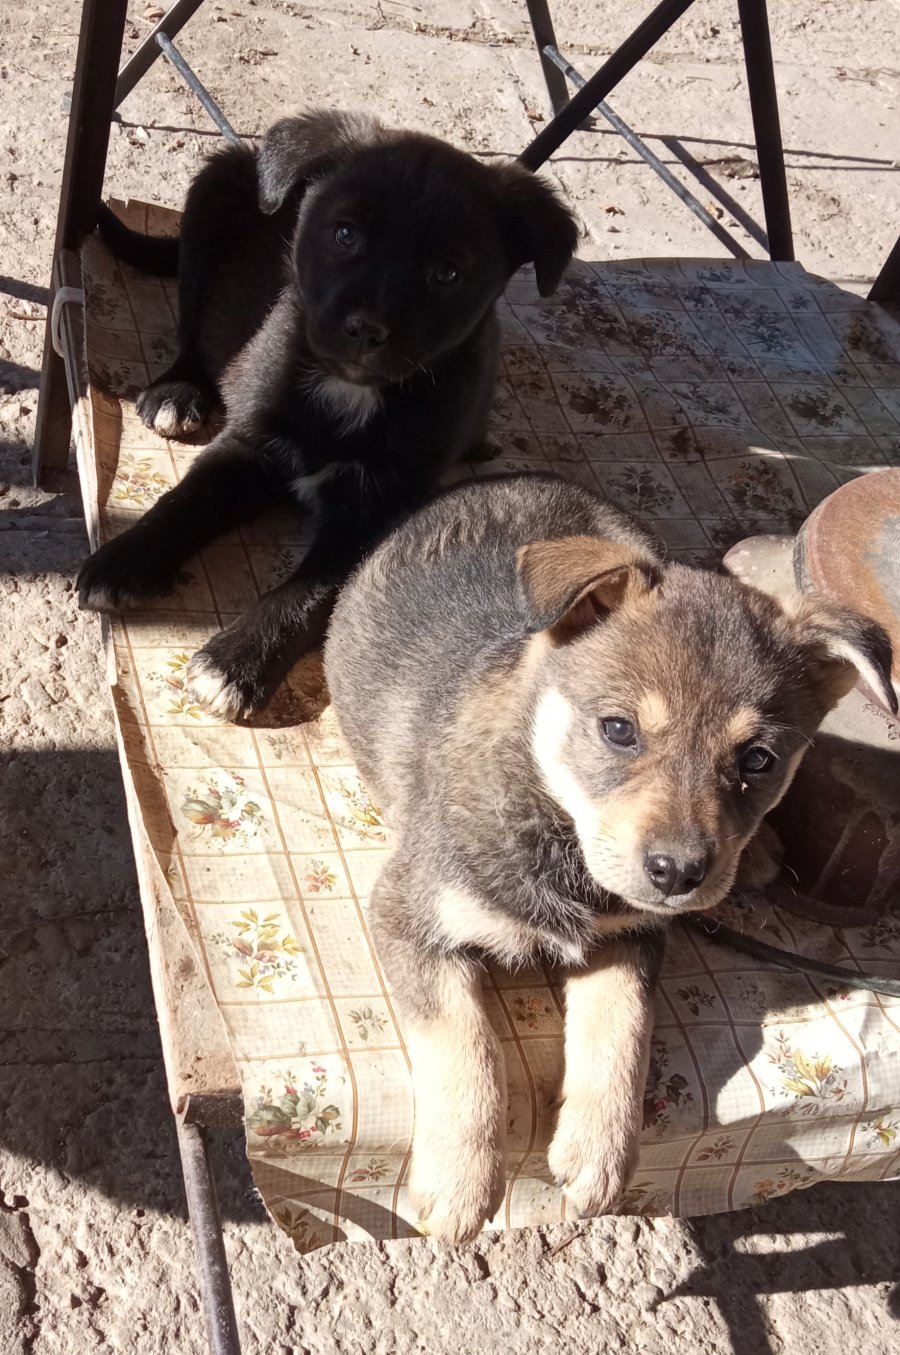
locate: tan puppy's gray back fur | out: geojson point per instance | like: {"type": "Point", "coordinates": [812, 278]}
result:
{"type": "Point", "coordinates": [573, 741]}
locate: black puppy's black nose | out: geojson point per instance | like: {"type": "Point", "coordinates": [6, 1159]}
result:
{"type": "Point", "coordinates": [366, 332]}
{"type": "Point", "coordinates": [670, 876]}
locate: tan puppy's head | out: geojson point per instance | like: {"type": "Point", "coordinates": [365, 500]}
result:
{"type": "Point", "coordinates": [671, 707]}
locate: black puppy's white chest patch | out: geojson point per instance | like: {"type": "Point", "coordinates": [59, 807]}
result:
{"type": "Point", "coordinates": [351, 406]}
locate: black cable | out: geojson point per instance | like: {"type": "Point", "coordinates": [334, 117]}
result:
{"type": "Point", "coordinates": [786, 959]}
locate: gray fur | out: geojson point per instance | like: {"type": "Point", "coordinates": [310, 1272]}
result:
{"type": "Point", "coordinates": [504, 831]}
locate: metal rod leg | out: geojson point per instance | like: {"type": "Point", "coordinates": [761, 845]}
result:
{"type": "Point", "coordinates": [624, 59]}
{"type": "Point", "coordinates": [886, 287]}
{"type": "Point", "coordinates": [209, 1245]}
{"type": "Point", "coordinates": [172, 54]}
{"type": "Point", "coordinates": [766, 126]}
{"type": "Point", "coordinates": [650, 158]}
{"type": "Point", "coordinates": [170, 24]}
{"type": "Point", "coordinates": [542, 28]}
{"type": "Point", "coordinates": [99, 48]}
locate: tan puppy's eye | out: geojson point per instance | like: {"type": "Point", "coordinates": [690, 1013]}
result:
{"type": "Point", "coordinates": [756, 760]}
{"type": "Point", "coordinates": [618, 731]}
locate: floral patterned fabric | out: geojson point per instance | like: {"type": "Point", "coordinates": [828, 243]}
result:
{"type": "Point", "coordinates": [715, 400]}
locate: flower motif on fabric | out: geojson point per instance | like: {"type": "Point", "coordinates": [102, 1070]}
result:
{"type": "Point", "coordinates": [639, 490]}
{"type": "Point", "coordinates": [696, 998]}
{"type": "Point", "coordinates": [173, 682]}
{"type": "Point", "coordinates": [298, 1224]}
{"type": "Point", "coordinates": [320, 878]}
{"type": "Point", "coordinates": [532, 1011]}
{"type": "Point", "coordinates": [367, 1022]}
{"type": "Point", "coordinates": [363, 816]}
{"type": "Point", "coordinates": [814, 1080]}
{"type": "Point", "coordinates": [881, 1130]}
{"type": "Point", "coordinates": [376, 1169]}
{"type": "Point", "coordinates": [664, 1089]}
{"type": "Point", "coordinates": [264, 950]}
{"type": "Point", "coordinates": [818, 409]}
{"type": "Point", "coordinates": [300, 1117]}
{"type": "Point", "coordinates": [223, 810]}
{"type": "Point", "coordinates": [883, 935]}
{"type": "Point", "coordinates": [136, 483]}
{"type": "Point", "coordinates": [642, 1198]}
{"type": "Point", "coordinates": [784, 1180]}
{"type": "Point", "coordinates": [756, 487]}
{"type": "Point", "coordinates": [715, 1151]}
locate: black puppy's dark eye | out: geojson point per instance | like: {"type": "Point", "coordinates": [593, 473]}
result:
{"type": "Point", "coordinates": [756, 760]}
{"type": "Point", "coordinates": [446, 275]}
{"type": "Point", "coordinates": [620, 733]}
{"type": "Point", "coordinates": [345, 235]}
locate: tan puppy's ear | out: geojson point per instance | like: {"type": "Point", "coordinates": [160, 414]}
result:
{"type": "Point", "coordinates": [567, 584]}
{"type": "Point", "coordinates": [844, 646]}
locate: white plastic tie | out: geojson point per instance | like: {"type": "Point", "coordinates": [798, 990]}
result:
{"type": "Point", "coordinates": [61, 297]}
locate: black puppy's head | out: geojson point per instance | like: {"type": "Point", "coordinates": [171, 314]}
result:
{"type": "Point", "coordinates": [404, 243]}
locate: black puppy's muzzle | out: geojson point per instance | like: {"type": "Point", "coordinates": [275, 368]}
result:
{"type": "Point", "coordinates": [365, 334]}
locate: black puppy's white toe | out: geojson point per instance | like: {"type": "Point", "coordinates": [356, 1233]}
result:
{"type": "Point", "coordinates": [212, 689]}
{"type": "Point", "coordinates": [174, 409]}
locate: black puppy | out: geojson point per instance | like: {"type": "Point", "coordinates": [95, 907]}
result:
{"type": "Point", "coordinates": [351, 378]}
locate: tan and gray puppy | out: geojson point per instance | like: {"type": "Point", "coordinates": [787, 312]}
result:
{"type": "Point", "coordinates": [574, 743]}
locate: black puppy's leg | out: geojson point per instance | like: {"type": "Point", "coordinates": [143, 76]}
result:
{"type": "Point", "coordinates": [230, 267]}
{"type": "Point", "coordinates": [176, 403]}
{"type": "Point", "coordinates": [228, 485]}
{"type": "Point", "coordinates": [238, 670]}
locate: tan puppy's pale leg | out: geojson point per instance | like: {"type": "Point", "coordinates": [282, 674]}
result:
{"type": "Point", "coordinates": [457, 1177]}
{"type": "Point", "coordinates": [609, 1013]}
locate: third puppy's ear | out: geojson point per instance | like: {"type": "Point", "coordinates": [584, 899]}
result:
{"type": "Point", "coordinates": [538, 226]}
{"type": "Point", "coordinates": [297, 150]}
{"type": "Point", "coordinates": [843, 645]}
{"type": "Point", "coordinates": [567, 585]}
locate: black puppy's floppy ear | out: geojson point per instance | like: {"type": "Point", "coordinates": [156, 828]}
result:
{"type": "Point", "coordinates": [844, 646]}
{"type": "Point", "coordinates": [307, 147]}
{"type": "Point", "coordinates": [566, 584]}
{"type": "Point", "coordinates": [538, 226]}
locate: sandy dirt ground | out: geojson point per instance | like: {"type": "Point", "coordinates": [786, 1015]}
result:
{"type": "Point", "coordinates": [95, 1251]}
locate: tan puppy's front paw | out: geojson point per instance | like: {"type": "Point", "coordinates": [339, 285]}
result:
{"type": "Point", "coordinates": [456, 1193]}
{"type": "Point", "coordinates": [592, 1156]}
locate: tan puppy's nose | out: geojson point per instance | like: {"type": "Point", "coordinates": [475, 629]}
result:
{"type": "Point", "coordinates": [675, 875]}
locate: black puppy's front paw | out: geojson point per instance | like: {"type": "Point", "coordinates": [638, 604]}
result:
{"type": "Point", "coordinates": [174, 408]}
{"type": "Point", "coordinates": [122, 574]}
{"type": "Point", "coordinates": [228, 676]}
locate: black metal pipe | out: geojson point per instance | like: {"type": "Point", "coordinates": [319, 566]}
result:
{"type": "Point", "coordinates": [624, 59]}
{"type": "Point", "coordinates": [544, 37]}
{"type": "Point", "coordinates": [647, 155]}
{"type": "Point", "coordinates": [172, 54]}
{"type": "Point", "coordinates": [886, 287]}
{"type": "Point", "coordinates": [138, 65]}
{"type": "Point", "coordinates": [766, 126]}
{"type": "Point", "coordinates": [209, 1245]}
{"type": "Point", "coordinates": [675, 147]}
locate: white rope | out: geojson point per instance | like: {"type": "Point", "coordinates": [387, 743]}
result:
{"type": "Point", "coordinates": [61, 297]}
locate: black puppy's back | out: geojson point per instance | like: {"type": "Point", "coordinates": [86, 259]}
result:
{"type": "Point", "coordinates": [231, 261]}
